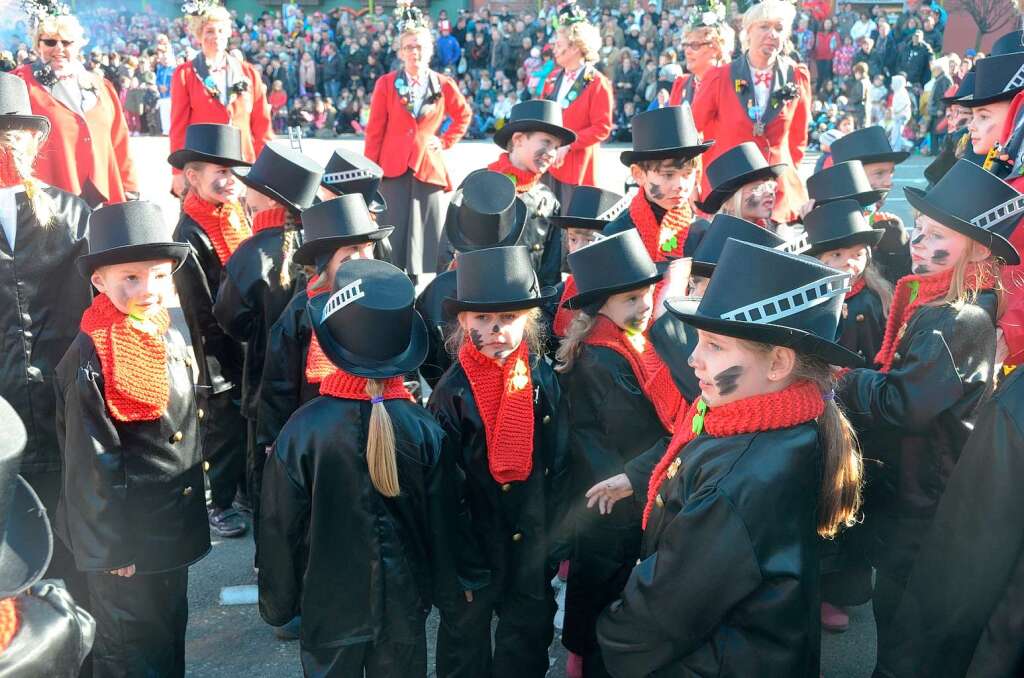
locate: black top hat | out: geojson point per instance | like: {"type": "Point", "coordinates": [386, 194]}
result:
{"type": "Point", "coordinates": [762, 294]}
{"type": "Point", "coordinates": [842, 181]}
{"type": "Point", "coordinates": [15, 107]}
{"type": "Point", "coordinates": [485, 212]}
{"type": "Point", "coordinates": [368, 326]}
{"type": "Point", "coordinates": [723, 227]}
{"type": "Point", "coordinates": [351, 172]}
{"type": "Point", "coordinates": [208, 142]}
{"type": "Point", "coordinates": [494, 280]}
{"type": "Point", "coordinates": [284, 174]}
{"type": "Point", "coordinates": [336, 223]}
{"type": "Point", "coordinates": [26, 542]}
{"type": "Point", "coordinates": [608, 266]}
{"type": "Point", "coordinates": [734, 169]}
{"type": "Point", "coordinates": [665, 134]}
{"type": "Point", "coordinates": [993, 208]}
{"type": "Point", "coordinates": [535, 115]}
{"type": "Point", "coordinates": [869, 144]}
{"type": "Point", "coordinates": [585, 206]}
{"type": "Point", "coordinates": [838, 224]}
{"type": "Point", "coordinates": [996, 78]}
{"type": "Point", "coordinates": [965, 88]}
{"type": "Point", "coordinates": [1007, 44]}
{"type": "Point", "coordinates": [129, 231]}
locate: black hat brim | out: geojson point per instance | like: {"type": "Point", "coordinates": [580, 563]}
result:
{"type": "Point", "coordinates": [563, 134]}
{"type": "Point", "coordinates": [175, 251]}
{"type": "Point", "coordinates": [407, 361]}
{"type": "Point", "coordinates": [376, 205]}
{"type": "Point", "coordinates": [27, 544]}
{"type": "Point", "coordinates": [584, 299]}
{"type": "Point", "coordinates": [895, 157]}
{"type": "Point", "coordinates": [452, 307]}
{"type": "Point", "coordinates": [768, 333]}
{"type": "Point", "coordinates": [243, 175]}
{"type": "Point", "coordinates": [972, 101]}
{"type": "Point", "coordinates": [704, 269]}
{"type": "Point", "coordinates": [999, 245]}
{"type": "Point", "coordinates": [868, 238]}
{"type": "Point", "coordinates": [38, 122]}
{"type": "Point", "coordinates": [307, 253]}
{"type": "Point", "coordinates": [183, 156]}
{"type": "Point", "coordinates": [451, 229]}
{"type": "Point", "coordinates": [628, 158]}
{"type": "Point", "coordinates": [727, 189]}
{"type": "Point", "coordinates": [579, 222]}
{"type": "Point", "coordinates": [865, 198]}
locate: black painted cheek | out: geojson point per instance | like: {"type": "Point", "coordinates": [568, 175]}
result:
{"type": "Point", "coordinates": [654, 191]}
{"type": "Point", "coordinates": [727, 381]}
{"type": "Point", "coordinates": [918, 240]}
{"type": "Point", "coordinates": [495, 329]}
{"type": "Point", "coordinates": [940, 257]}
{"type": "Point", "coordinates": [476, 338]}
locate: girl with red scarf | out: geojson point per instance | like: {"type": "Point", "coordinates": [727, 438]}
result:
{"type": "Point", "coordinates": [934, 369]}
{"type": "Point", "coordinates": [499, 405]}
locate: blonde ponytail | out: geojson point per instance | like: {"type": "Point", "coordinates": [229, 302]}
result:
{"type": "Point", "coordinates": [288, 249]}
{"type": "Point", "coordinates": [380, 443]}
{"type": "Point", "coordinates": [569, 349]}
{"type": "Point", "coordinates": [22, 146]}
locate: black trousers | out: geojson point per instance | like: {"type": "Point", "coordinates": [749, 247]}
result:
{"type": "Point", "coordinates": [140, 624]}
{"type": "Point", "coordinates": [254, 462]}
{"type": "Point", "coordinates": [374, 660]}
{"type": "Point", "coordinates": [224, 444]}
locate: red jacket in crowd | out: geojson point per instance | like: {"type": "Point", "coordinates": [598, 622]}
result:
{"type": "Point", "coordinates": [589, 115]}
{"type": "Point", "coordinates": [1012, 321]}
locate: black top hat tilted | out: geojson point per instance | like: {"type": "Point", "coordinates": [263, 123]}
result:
{"type": "Point", "coordinates": [485, 212]}
{"type": "Point", "coordinates": [1007, 44]}
{"type": "Point", "coordinates": [208, 142]}
{"type": "Point", "coordinates": [367, 326]}
{"type": "Point", "coordinates": [284, 174]}
{"type": "Point", "coordinates": [336, 223]}
{"type": "Point", "coordinates": [842, 181]}
{"type": "Point", "coordinates": [665, 134]}
{"type": "Point", "coordinates": [535, 115]}
{"type": "Point", "coordinates": [129, 231]}
{"type": "Point", "coordinates": [609, 266]}
{"type": "Point", "coordinates": [965, 88]}
{"type": "Point", "coordinates": [869, 144]}
{"type": "Point", "coordinates": [15, 107]}
{"type": "Point", "coordinates": [494, 280]}
{"type": "Point", "coordinates": [351, 172]}
{"type": "Point", "coordinates": [26, 542]}
{"type": "Point", "coordinates": [838, 224]}
{"type": "Point", "coordinates": [988, 216]}
{"type": "Point", "coordinates": [586, 205]}
{"type": "Point", "coordinates": [734, 169]}
{"type": "Point", "coordinates": [723, 227]}
{"type": "Point", "coordinates": [996, 78]}
{"type": "Point", "coordinates": [762, 294]}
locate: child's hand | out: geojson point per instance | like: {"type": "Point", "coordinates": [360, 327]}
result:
{"type": "Point", "coordinates": [124, 571]}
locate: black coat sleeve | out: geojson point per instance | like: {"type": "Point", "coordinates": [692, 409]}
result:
{"type": "Point", "coordinates": [442, 504]}
{"type": "Point", "coordinates": [559, 480]}
{"type": "Point", "coordinates": [234, 309]}
{"type": "Point", "coordinates": [283, 372]}
{"type": "Point", "coordinates": [550, 271]}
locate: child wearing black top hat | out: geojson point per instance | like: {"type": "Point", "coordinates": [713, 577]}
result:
{"type": "Point", "coordinates": [350, 172]}
{"type": "Point", "coordinates": [132, 509]}
{"type": "Point", "coordinates": [358, 500]}
{"type": "Point", "coordinates": [500, 407]}
{"type": "Point", "coordinates": [213, 223]}
{"type": "Point", "coordinates": [759, 466]}
{"type": "Point", "coordinates": [743, 185]}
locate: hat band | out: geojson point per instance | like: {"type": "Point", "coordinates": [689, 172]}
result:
{"type": "Point", "coordinates": [1010, 208]}
{"type": "Point", "coordinates": [616, 209]}
{"type": "Point", "coordinates": [342, 298]}
{"type": "Point", "coordinates": [797, 246]}
{"type": "Point", "coordinates": [790, 303]}
{"type": "Point", "coordinates": [347, 176]}
{"type": "Point", "coordinates": [1017, 81]}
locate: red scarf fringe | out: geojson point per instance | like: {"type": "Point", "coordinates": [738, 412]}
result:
{"type": "Point", "coordinates": [796, 404]}
{"type": "Point", "coordinates": [523, 179]}
{"type": "Point", "coordinates": [675, 223]}
{"type": "Point", "coordinates": [504, 399]}
{"type": "Point", "coordinates": [225, 225]}
{"type": "Point", "coordinates": [9, 622]}
{"type": "Point", "coordinates": [563, 316]}
{"type": "Point", "coordinates": [856, 288]}
{"type": "Point", "coordinates": [650, 371]}
{"type": "Point", "coordinates": [318, 365]}
{"type": "Point", "coordinates": [275, 217]}
{"type": "Point", "coordinates": [341, 384]}
{"type": "Point", "coordinates": [134, 361]}
{"type": "Point", "coordinates": [9, 175]}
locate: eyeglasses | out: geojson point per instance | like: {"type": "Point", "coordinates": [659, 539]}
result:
{"type": "Point", "coordinates": [52, 42]}
{"type": "Point", "coordinates": [695, 45]}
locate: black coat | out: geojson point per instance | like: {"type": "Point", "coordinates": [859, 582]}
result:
{"type": "Point", "coordinates": [133, 491]}
{"type": "Point", "coordinates": [42, 298]}
{"type": "Point", "coordinates": [53, 638]}
{"type": "Point", "coordinates": [728, 584]}
{"type": "Point", "coordinates": [430, 305]}
{"type": "Point", "coordinates": [862, 326]}
{"type": "Point", "coordinates": [515, 532]}
{"type": "Point", "coordinates": [358, 566]}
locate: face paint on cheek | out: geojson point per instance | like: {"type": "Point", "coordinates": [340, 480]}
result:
{"type": "Point", "coordinates": [918, 240]}
{"type": "Point", "coordinates": [940, 257]}
{"type": "Point", "coordinates": [922, 269]}
{"type": "Point", "coordinates": [655, 191]}
{"type": "Point", "coordinates": [728, 379]}
{"type": "Point", "coordinates": [540, 158]}
{"type": "Point", "coordinates": [476, 338]}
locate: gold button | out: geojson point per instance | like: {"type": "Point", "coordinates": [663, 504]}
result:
{"type": "Point", "coordinates": [518, 536]}
{"type": "Point", "coordinates": [547, 419]}
{"type": "Point", "coordinates": [860, 317]}
{"type": "Point", "coordinates": [547, 471]}
{"type": "Point", "coordinates": [536, 248]}
{"type": "Point", "coordinates": [659, 501]}
{"type": "Point", "coordinates": [200, 413]}
{"type": "Point", "coordinates": [206, 466]}
{"type": "Point", "coordinates": [176, 438]}
{"type": "Point", "coordinates": [897, 356]}
{"type": "Point", "coordinates": [187, 491]}
{"type": "Point", "coordinates": [506, 487]}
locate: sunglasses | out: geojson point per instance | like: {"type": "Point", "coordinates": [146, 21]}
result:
{"type": "Point", "coordinates": [52, 42]}
{"type": "Point", "coordinates": [695, 45]}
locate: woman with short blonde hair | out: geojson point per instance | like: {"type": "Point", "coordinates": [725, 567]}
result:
{"type": "Point", "coordinates": [707, 43]}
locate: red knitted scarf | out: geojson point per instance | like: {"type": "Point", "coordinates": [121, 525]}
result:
{"type": "Point", "coordinates": [856, 288]}
{"type": "Point", "coordinates": [9, 175]}
{"type": "Point", "coordinates": [8, 622]}
{"type": "Point", "coordinates": [796, 404]}
{"type": "Point", "coordinates": [318, 365]}
{"type": "Point", "coordinates": [133, 358]}
{"type": "Point", "coordinates": [664, 239]}
{"type": "Point", "coordinates": [275, 217]}
{"type": "Point", "coordinates": [563, 316]}
{"type": "Point", "coordinates": [341, 384]}
{"type": "Point", "coordinates": [225, 225]}
{"type": "Point", "coordinates": [913, 292]}
{"type": "Point", "coordinates": [504, 399]}
{"type": "Point", "coordinates": [523, 179]}
{"type": "Point", "coordinates": [651, 373]}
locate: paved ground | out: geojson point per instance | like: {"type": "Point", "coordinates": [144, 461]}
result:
{"type": "Point", "coordinates": [228, 641]}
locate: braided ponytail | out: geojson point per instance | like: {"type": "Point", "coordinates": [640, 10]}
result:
{"type": "Point", "coordinates": [380, 443]}
{"type": "Point", "coordinates": [18, 150]}
{"type": "Point", "coordinates": [288, 249]}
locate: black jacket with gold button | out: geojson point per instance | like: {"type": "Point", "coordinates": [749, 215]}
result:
{"type": "Point", "coordinates": [133, 491]}
{"type": "Point", "coordinates": [862, 326]}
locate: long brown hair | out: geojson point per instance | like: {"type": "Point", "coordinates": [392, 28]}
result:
{"type": "Point", "coordinates": [380, 444]}
{"type": "Point", "coordinates": [568, 351]}
{"type": "Point", "coordinates": [876, 282]}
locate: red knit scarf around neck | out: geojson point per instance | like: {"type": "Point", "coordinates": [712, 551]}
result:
{"type": "Point", "coordinates": [8, 622]}
{"type": "Point", "coordinates": [856, 288]}
{"type": "Point", "coordinates": [275, 217]}
{"type": "Point", "coordinates": [651, 373]}
{"type": "Point", "coordinates": [9, 174]}
{"type": "Point", "coordinates": [523, 179]}
{"type": "Point", "coordinates": [134, 361]}
{"type": "Point", "coordinates": [504, 400]}
{"type": "Point", "coordinates": [658, 238]}
{"type": "Point", "coordinates": [796, 404]}
{"type": "Point", "coordinates": [318, 365]}
{"type": "Point", "coordinates": [225, 225]}
{"type": "Point", "coordinates": [341, 384]}
{"type": "Point", "coordinates": [563, 315]}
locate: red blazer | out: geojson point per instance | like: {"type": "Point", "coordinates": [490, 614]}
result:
{"type": "Point", "coordinates": [92, 145]}
{"type": "Point", "coordinates": [678, 93]}
{"type": "Point", "coordinates": [590, 117]}
{"type": "Point", "coordinates": [720, 115]}
{"type": "Point", "coordinates": [191, 103]}
{"type": "Point", "coordinates": [397, 141]}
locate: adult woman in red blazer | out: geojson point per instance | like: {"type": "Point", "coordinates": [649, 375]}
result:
{"type": "Point", "coordinates": [585, 96]}
{"type": "Point", "coordinates": [764, 97]}
{"type": "Point", "coordinates": [707, 43]}
{"type": "Point", "coordinates": [406, 111]}
{"type": "Point", "coordinates": [216, 87]}
{"type": "Point", "coordinates": [86, 153]}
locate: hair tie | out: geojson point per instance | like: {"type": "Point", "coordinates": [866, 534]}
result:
{"type": "Point", "coordinates": [829, 394]}
{"type": "Point", "coordinates": [376, 400]}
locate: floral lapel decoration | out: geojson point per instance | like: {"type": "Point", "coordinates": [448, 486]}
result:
{"type": "Point", "coordinates": [577, 87]}
{"type": "Point", "coordinates": [45, 75]}
{"type": "Point", "coordinates": [740, 85]}
{"type": "Point", "coordinates": [404, 90]}
{"type": "Point", "coordinates": [236, 90]}
{"type": "Point", "coordinates": [786, 92]}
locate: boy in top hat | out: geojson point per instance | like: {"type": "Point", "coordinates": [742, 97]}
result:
{"type": "Point", "coordinates": [350, 172]}
{"type": "Point", "coordinates": [132, 509]}
{"type": "Point", "coordinates": [213, 223]}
